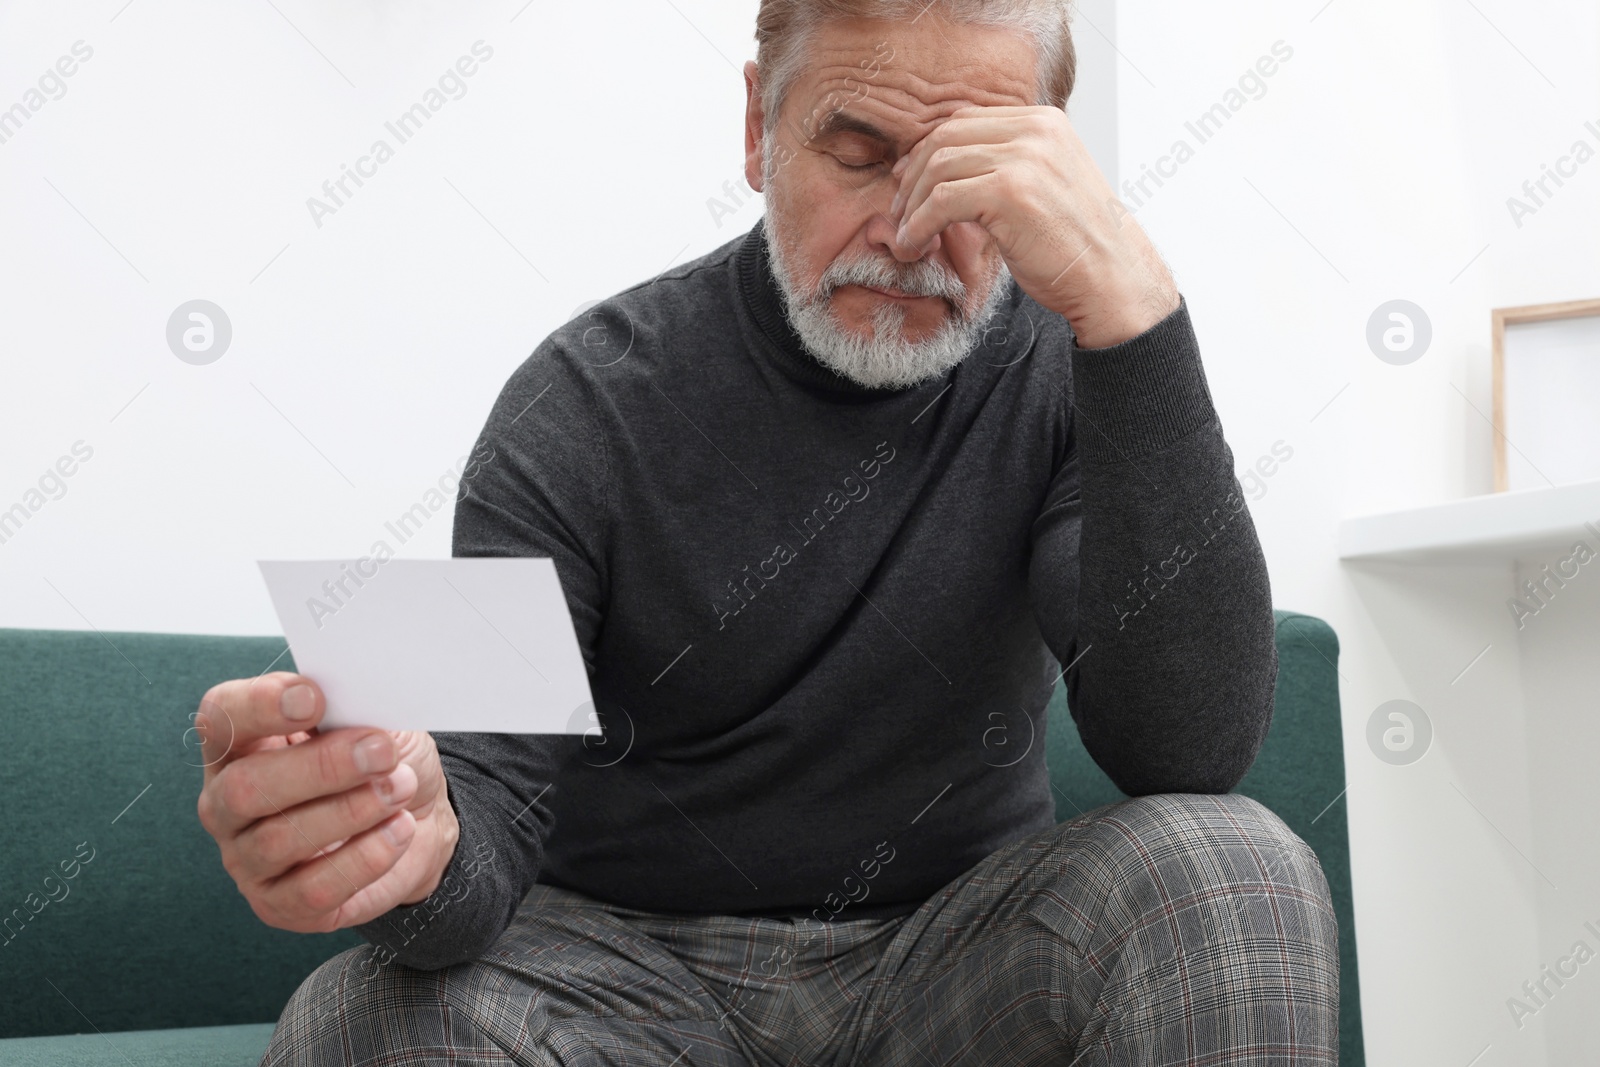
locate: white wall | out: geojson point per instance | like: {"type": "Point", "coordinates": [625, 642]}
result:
{"type": "Point", "coordinates": [581, 159]}
{"type": "Point", "coordinates": [365, 352]}
{"type": "Point", "coordinates": [1375, 167]}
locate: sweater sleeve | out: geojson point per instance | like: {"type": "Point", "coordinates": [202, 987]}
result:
{"type": "Point", "coordinates": [1147, 578]}
{"type": "Point", "coordinates": [536, 485]}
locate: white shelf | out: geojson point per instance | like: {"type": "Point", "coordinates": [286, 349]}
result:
{"type": "Point", "coordinates": [1494, 528]}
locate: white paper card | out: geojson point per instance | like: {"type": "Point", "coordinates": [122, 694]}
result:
{"type": "Point", "coordinates": [468, 644]}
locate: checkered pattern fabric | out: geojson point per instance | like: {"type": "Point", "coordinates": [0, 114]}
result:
{"type": "Point", "coordinates": [1173, 929]}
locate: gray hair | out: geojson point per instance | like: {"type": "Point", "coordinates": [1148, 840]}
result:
{"type": "Point", "coordinates": [784, 29]}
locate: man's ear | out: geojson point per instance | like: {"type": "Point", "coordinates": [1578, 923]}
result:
{"type": "Point", "coordinates": [753, 118]}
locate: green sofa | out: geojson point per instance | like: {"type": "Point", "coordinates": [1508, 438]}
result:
{"type": "Point", "coordinates": [123, 941]}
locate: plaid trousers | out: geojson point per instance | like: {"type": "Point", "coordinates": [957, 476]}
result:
{"type": "Point", "coordinates": [1170, 929]}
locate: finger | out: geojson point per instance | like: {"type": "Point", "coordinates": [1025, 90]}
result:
{"type": "Point", "coordinates": [311, 896]}
{"type": "Point", "coordinates": [269, 847]}
{"type": "Point", "coordinates": [972, 126]}
{"type": "Point", "coordinates": [272, 781]}
{"type": "Point", "coordinates": [947, 164]}
{"type": "Point", "coordinates": [964, 200]}
{"type": "Point", "coordinates": [236, 716]}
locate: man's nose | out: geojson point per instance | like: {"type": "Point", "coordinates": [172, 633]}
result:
{"type": "Point", "coordinates": [881, 229]}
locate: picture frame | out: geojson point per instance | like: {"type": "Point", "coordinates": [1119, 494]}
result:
{"type": "Point", "coordinates": [1524, 375]}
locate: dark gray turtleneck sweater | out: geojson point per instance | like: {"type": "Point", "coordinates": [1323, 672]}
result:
{"type": "Point", "coordinates": [817, 616]}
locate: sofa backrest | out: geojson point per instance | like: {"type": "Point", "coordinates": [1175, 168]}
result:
{"type": "Point", "coordinates": [115, 912]}
{"type": "Point", "coordinates": [1299, 774]}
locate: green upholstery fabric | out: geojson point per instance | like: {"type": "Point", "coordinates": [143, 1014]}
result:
{"type": "Point", "coordinates": [151, 932]}
{"type": "Point", "coordinates": [1298, 774]}
{"type": "Point", "coordinates": [151, 935]}
{"type": "Point", "coordinates": [195, 1046]}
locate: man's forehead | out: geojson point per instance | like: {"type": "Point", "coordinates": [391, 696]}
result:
{"type": "Point", "coordinates": [872, 76]}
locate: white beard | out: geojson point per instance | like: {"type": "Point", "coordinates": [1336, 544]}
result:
{"type": "Point", "coordinates": [885, 359]}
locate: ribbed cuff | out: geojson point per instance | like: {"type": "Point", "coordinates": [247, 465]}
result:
{"type": "Point", "coordinates": [1140, 395]}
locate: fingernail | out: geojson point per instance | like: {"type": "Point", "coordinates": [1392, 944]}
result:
{"type": "Point", "coordinates": [385, 787]}
{"type": "Point", "coordinates": [298, 702]}
{"type": "Point", "coordinates": [373, 754]}
{"type": "Point", "coordinates": [398, 830]}
{"type": "Point", "coordinates": [900, 236]}
{"type": "Point", "coordinates": [894, 206]}
{"type": "Point", "coordinates": [399, 782]}
{"type": "Point", "coordinates": [899, 165]}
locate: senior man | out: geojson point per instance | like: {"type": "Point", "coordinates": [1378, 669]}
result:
{"type": "Point", "coordinates": [834, 506]}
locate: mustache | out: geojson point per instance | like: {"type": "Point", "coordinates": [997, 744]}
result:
{"type": "Point", "coordinates": [922, 278]}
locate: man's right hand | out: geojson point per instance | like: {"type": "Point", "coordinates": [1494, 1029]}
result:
{"type": "Point", "coordinates": [319, 830]}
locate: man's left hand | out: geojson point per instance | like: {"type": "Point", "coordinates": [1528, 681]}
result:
{"type": "Point", "coordinates": [1023, 174]}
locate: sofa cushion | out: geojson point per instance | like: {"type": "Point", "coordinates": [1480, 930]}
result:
{"type": "Point", "coordinates": [197, 1046]}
